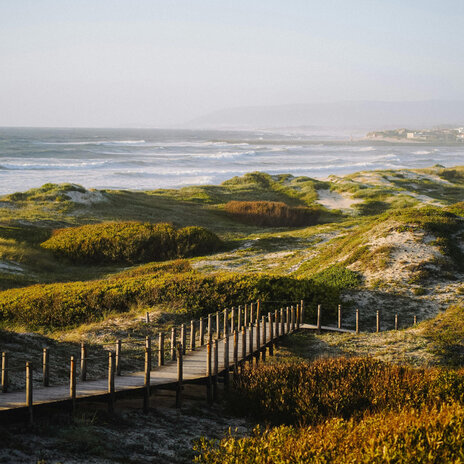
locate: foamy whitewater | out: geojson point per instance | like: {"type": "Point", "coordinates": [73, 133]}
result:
{"type": "Point", "coordinates": [151, 158]}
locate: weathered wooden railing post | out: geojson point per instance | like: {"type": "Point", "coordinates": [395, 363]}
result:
{"type": "Point", "coordinates": [83, 362]}
{"type": "Point", "coordinates": [226, 362]}
{"type": "Point", "coordinates": [319, 317]}
{"type": "Point", "coordinates": [263, 348]}
{"type": "Point", "coordinates": [192, 335]}
{"type": "Point", "coordinates": [210, 328]}
{"type": "Point", "coordinates": [357, 321]}
{"type": "Point", "coordinates": [218, 325]}
{"type": "Point", "coordinates": [173, 343]}
{"type": "Point", "coordinates": [45, 367]}
{"type": "Point", "coordinates": [215, 368]}
{"type": "Point", "coordinates": [339, 320]}
{"type": "Point", "coordinates": [239, 319]}
{"type": "Point", "coordinates": [244, 350]}
{"type": "Point", "coordinates": [232, 320]}
{"type": "Point", "coordinates": [292, 313]}
{"type": "Point", "coordinates": [377, 325]}
{"type": "Point", "coordinates": [250, 343]}
{"type": "Point", "coordinates": [180, 376]}
{"type": "Point", "coordinates": [29, 393]}
{"type": "Point", "coordinates": [298, 317]}
{"type": "Point", "coordinates": [258, 340]}
{"type": "Point", "coordinates": [118, 357]}
{"type": "Point", "coordinates": [271, 333]}
{"type": "Point", "coordinates": [146, 383]}
{"type": "Point", "coordinates": [202, 332]}
{"type": "Point", "coordinates": [302, 311]}
{"type": "Point", "coordinates": [226, 322]}
{"type": "Point", "coordinates": [209, 380]}
{"type": "Point", "coordinates": [147, 317]}
{"type": "Point", "coordinates": [183, 338]}
{"type": "Point", "coordinates": [288, 320]}
{"type": "Point", "coordinates": [235, 352]}
{"type": "Point", "coordinates": [72, 385]}
{"type": "Point", "coordinates": [161, 349]}
{"type": "Point", "coordinates": [111, 391]}
{"type": "Point", "coordinates": [245, 316]}
{"type": "Point", "coordinates": [258, 310]}
{"type": "Point", "coordinates": [415, 320]}
{"type": "Point", "coordinates": [282, 322]}
{"type": "Point", "coordinates": [4, 372]}
{"type": "Point", "coordinates": [276, 321]}
{"type": "Point", "coordinates": [396, 321]}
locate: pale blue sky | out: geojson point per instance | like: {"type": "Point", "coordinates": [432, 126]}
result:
{"type": "Point", "coordinates": [154, 63]}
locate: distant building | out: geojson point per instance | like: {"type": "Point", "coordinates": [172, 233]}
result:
{"type": "Point", "coordinates": [410, 135]}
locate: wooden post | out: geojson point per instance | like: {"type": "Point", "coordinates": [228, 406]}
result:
{"type": "Point", "coordinates": [357, 321]}
{"type": "Point", "coordinates": [111, 392]}
{"type": "Point", "coordinates": [282, 322]}
{"type": "Point", "coordinates": [218, 325]}
{"type": "Point", "coordinates": [226, 362]}
{"type": "Point", "coordinates": [293, 318]}
{"type": "Point", "coordinates": [215, 369]}
{"type": "Point", "coordinates": [396, 321]}
{"type": "Point", "coordinates": [45, 368]}
{"type": "Point", "coordinates": [258, 340]}
{"type": "Point", "coordinates": [271, 333]}
{"type": "Point", "coordinates": [173, 344]}
{"type": "Point", "coordinates": [415, 320]}
{"type": "Point", "coordinates": [258, 310]}
{"type": "Point", "coordinates": [245, 316]}
{"type": "Point", "coordinates": [4, 372]}
{"type": "Point", "coordinates": [146, 383]}
{"type": "Point", "coordinates": [319, 316]}
{"type": "Point", "coordinates": [147, 317]}
{"type": "Point", "coordinates": [72, 385]}
{"type": "Point", "coordinates": [202, 332]}
{"type": "Point", "coordinates": [239, 319]}
{"type": "Point", "coordinates": [263, 349]}
{"type": "Point", "coordinates": [209, 381]}
{"type": "Point", "coordinates": [210, 328]}
{"type": "Point", "coordinates": [161, 349]}
{"type": "Point", "coordinates": [298, 317]}
{"type": "Point", "coordinates": [339, 324]}
{"type": "Point", "coordinates": [250, 342]}
{"type": "Point", "coordinates": [183, 338]}
{"type": "Point", "coordinates": [302, 311]}
{"type": "Point", "coordinates": [180, 377]}
{"type": "Point", "coordinates": [244, 350]}
{"type": "Point", "coordinates": [118, 357]}
{"type": "Point", "coordinates": [276, 321]}
{"type": "Point", "coordinates": [288, 320]}
{"type": "Point", "coordinates": [192, 335]}
{"type": "Point", "coordinates": [29, 394]}
{"type": "Point", "coordinates": [378, 321]}
{"type": "Point", "coordinates": [232, 320]}
{"type": "Point", "coordinates": [226, 322]}
{"type": "Point", "coordinates": [83, 362]}
{"type": "Point", "coordinates": [235, 352]}
{"type": "Point", "coordinates": [147, 342]}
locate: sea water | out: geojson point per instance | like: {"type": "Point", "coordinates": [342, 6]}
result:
{"type": "Point", "coordinates": [149, 159]}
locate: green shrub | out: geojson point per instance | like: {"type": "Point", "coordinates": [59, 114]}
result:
{"type": "Point", "coordinates": [68, 304]}
{"type": "Point", "coordinates": [272, 213]}
{"type": "Point", "coordinates": [339, 277]}
{"type": "Point", "coordinates": [310, 393]}
{"type": "Point", "coordinates": [427, 436]}
{"type": "Point", "coordinates": [130, 242]}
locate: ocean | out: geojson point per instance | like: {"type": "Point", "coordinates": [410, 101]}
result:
{"type": "Point", "coordinates": [149, 159]}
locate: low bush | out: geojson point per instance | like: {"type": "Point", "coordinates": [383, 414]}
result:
{"type": "Point", "coordinates": [130, 242]}
{"type": "Point", "coordinates": [272, 213]}
{"type": "Point", "coordinates": [431, 435]}
{"type": "Point", "coordinates": [344, 387]}
{"type": "Point", "coordinates": [69, 304]}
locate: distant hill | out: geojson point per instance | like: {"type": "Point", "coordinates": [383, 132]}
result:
{"type": "Point", "coordinates": [367, 115]}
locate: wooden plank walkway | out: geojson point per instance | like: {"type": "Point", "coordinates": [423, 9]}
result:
{"type": "Point", "coordinates": [326, 328]}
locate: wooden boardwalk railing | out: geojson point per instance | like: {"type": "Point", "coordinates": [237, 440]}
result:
{"type": "Point", "coordinates": [215, 346]}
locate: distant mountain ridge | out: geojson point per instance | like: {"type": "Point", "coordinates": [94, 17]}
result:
{"type": "Point", "coordinates": [348, 114]}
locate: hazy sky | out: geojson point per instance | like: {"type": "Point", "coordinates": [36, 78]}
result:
{"type": "Point", "coordinates": [158, 62]}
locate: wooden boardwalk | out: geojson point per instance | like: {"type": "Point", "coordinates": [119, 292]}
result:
{"type": "Point", "coordinates": [245, 336]}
